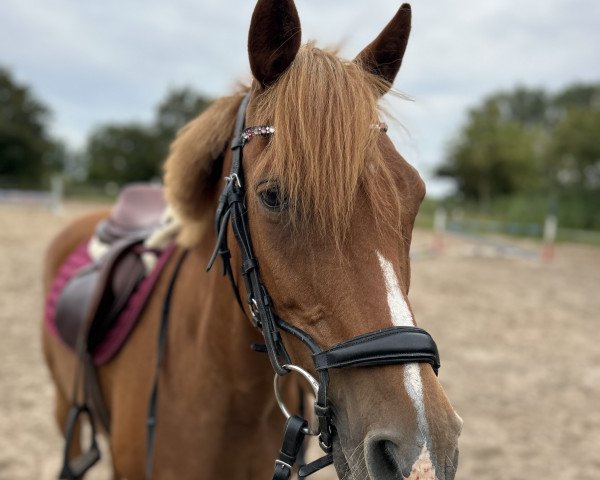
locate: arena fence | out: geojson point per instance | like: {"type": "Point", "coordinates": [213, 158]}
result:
{"type": "Point", "coordinates": [495, 235]}
{"type": "Point", "coordinates": [52, 198]}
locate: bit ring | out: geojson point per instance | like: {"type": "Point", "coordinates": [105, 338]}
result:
{"type": "Point", "coordinates": [314, 385]}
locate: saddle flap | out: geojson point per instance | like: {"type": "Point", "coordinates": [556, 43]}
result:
{"type": "Point", "coordinates": [74, 303]}
{"type": "Point", "coordinates": [125, 274]}
{"type": "Point", "coordinates": [92, 300]}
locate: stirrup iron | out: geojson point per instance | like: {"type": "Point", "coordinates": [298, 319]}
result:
{"type": "Point", "coordinates": [76, 468]}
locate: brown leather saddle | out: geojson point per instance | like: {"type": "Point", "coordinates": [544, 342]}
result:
{"type": "Point", "coordinates": [92, 300]}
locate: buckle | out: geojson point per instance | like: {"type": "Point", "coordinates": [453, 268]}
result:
{"type": "Point", "coordinates": [253, 306]}
{"type": "Point", "coordinates": [234, 178]}
{"type": "Point", "coordinates": [282, 464]}
{"type": "Point", "coordinates": [326, 448]}
{"type": "Point", "coordinates": [283, 470]}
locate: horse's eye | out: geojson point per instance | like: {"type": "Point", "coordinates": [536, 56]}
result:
{"type": "Point", "coordinates": [272, 198]}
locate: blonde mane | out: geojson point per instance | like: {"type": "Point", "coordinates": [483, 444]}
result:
{"type": "Point", "coordinates": [324, 110]}
{"type": "Point", "coordinates": [191, 169]}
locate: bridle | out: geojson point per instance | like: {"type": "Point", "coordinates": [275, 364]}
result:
{"type": "Point", "coordinates": [394, 345]}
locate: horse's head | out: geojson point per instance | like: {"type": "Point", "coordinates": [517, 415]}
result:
{"type": "Point", "coordinates": [331, 206]}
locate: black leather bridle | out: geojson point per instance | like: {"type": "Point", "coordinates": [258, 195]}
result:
{"type": "Point", "coordinates": [394, 345]}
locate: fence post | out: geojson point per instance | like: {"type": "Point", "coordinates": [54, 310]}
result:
{"type": "Point", "coordinates": [439, 229]}
{"type": "Point", "coordinates": [550, 230]}
{"type": "Point", "coordinates": [56, 194]}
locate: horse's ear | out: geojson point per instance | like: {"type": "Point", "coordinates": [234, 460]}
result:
{"type": "Point", "coordinates": [193, 170]}
{"type": "Point", "coordinates": [274, 39]}
{"type": "Point", "coordinates": [384, 55]}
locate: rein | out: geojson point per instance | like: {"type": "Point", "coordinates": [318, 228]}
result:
{"type": "Point", "coordinates": [394, 345]}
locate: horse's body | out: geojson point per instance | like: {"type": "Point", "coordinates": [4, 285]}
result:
{"type": "Point", "coordinates": [217, 417]}
{"type": "Point", "coordinates": [201, 426]}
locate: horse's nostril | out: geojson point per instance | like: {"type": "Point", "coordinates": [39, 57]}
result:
{"type": "Point", "coordinates": [383, 460]}
{"type": "Point", "coordinates": [388, 453]}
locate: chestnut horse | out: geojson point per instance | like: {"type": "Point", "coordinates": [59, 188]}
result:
{"type": "Point", "coordinates": [330, 208]}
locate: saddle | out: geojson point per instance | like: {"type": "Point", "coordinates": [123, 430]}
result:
{"type": "Point", "coordinates": [92, 300]}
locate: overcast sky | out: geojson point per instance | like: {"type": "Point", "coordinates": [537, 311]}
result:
{"type": "Point", "coordinates": [113, 60]}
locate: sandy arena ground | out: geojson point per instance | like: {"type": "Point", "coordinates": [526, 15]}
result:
{"type": "Point", "coordinates": [519, 342]}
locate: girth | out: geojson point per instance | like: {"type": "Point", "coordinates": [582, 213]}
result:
{"type": "Point", "coordinates": [394, 345]}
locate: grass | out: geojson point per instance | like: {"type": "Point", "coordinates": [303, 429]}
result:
{"type": "Point", "coordinates": [519, 216]}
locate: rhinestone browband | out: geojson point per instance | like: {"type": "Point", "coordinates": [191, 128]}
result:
{"type": "Point", "coordinates": [382, 126]}
{"type": "Point", "coordinates": [268, 130]}
{"type": "Point", "coordinates": [259, 131]}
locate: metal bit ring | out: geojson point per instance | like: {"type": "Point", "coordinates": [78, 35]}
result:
{"type": "Point", "coordinates": [315, 387]}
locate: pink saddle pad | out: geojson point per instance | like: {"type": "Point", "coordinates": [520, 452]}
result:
{"type": "Point", "coordinates": [126, 321]}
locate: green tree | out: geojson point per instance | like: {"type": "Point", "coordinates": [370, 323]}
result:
{"type": "Point", "coordinates": [526, 106]}
{"type": "Point", "coordinates": [580, 95]}
{"type": "Point", "coordinates": [528, 147]}
{"type": "Point", "coordinates": [124, 153]}
{"type": "Point", "coordinates": [492, 156]}
{"type": "Point", "coordinates": [574, 150]}
{"type": "Point", "coordinates": [527, 140]}
{"type": "Point", "coordinates": [27, 152]}
{"type": "Point", "coordinates": [179, 107]}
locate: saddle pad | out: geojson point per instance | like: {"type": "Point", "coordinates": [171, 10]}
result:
{"type": "Point", "coordinates": [115, 338]}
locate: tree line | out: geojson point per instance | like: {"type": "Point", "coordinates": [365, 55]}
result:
{"type": "Point", "coordinates": [530, 150]}
{"type": "Point", "coordinates": [519, 152]}
{"type": "Point", "coordinates": [115, 153]}
{"type": "Point", "coordinates": [27, 151]}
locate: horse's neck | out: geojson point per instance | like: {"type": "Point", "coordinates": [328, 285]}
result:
{"type": "Point", "coordinates": [217, 392]}
{"type": "Point", "coordinates": [216, 334]}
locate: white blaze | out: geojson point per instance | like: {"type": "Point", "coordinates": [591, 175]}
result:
{"type": "Point", "coordinates": [414, 388]}
{"type": "Point", "coordinates": [402, 317]}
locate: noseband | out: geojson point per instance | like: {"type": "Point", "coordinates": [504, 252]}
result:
{"type": "Point", "coordinates": [394, 345]}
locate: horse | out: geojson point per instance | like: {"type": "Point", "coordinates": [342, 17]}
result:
{"type": "Point", "coordinates": [329, 205]}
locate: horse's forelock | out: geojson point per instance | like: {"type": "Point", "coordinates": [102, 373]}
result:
{"type": "Point", "coordinates": [325, 147]}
